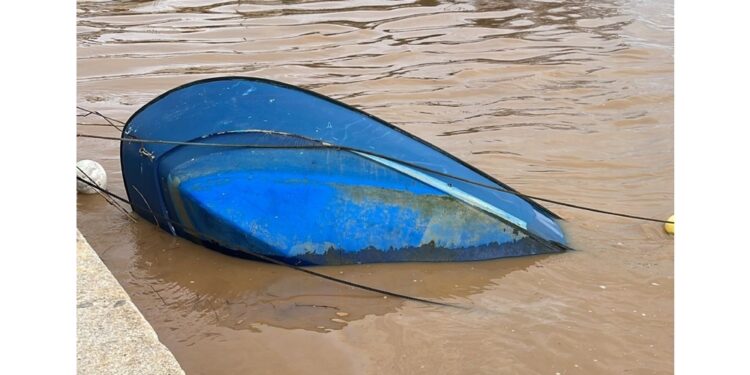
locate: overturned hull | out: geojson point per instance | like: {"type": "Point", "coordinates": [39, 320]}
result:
{"type": "Point", "coordinates": [259, 167]}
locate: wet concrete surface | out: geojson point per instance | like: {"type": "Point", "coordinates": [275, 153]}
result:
{"type": "Point", "coordinates": [113, 337]}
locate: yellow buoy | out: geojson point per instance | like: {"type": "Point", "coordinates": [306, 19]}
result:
{"type": "Point", "coordinates": [669, 227]}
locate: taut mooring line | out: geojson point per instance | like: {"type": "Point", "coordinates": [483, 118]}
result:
{"type": "Point", "coordinates": [110, 121]}
{"type": "Point", "coordinates": [553, 246]}
{"type": "Point", "coordinates": [411, 165]}
{"type": "Point", "coordinates": [108, 199]}
{"type": "Point", "coordinates": [280, 263]}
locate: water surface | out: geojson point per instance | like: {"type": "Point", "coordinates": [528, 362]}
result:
{"type": "Point", "coordinates": [567, 100]}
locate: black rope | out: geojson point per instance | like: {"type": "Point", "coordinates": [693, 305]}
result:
{"type": "Point", "coordinates": [278, 262]}
{"type": "Point", "coordinates": [553, 246]}
{"type": "Point", "coordinates": [99, 188]}
{"type": "Point", "coordinates": [412, 165]}
{"type": "Point", "coordinates": [93, 124]}
{"type": "Point", "coordinates": [110, 121]}
{"type": "Point", "coordinates": [108, 199]}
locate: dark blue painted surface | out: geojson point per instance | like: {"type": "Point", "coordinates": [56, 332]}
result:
{"type": "Point", "coordinates": [315, 206]}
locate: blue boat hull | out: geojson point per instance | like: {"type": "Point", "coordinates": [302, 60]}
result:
{"type": "Point", "coordinates": [283, 195]}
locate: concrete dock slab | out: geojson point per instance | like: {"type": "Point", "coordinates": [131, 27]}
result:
{"type": "Point", "coordinates": [113, 336]}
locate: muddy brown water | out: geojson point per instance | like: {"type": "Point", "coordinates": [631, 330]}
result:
{"type": "Point", "coordinates": [568, 100]}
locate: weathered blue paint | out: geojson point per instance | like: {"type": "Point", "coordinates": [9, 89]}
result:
{"type": "Point", "coordinates": [315, 206]}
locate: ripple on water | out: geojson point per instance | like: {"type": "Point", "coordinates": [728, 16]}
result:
{"type": "Point", "coordinates": [569, 100]}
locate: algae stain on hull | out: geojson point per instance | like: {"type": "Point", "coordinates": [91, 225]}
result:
{"type": "Point", "coordinates": [444, 221]}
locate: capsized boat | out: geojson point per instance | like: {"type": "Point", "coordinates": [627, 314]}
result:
{"type": "Point", "coordinates": [254, 166]}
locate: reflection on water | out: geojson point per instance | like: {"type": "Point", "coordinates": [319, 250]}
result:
{"type": "Point", "coordinates": [207, 288]}
{"type": "Point", "coordinates": [571, 100]}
